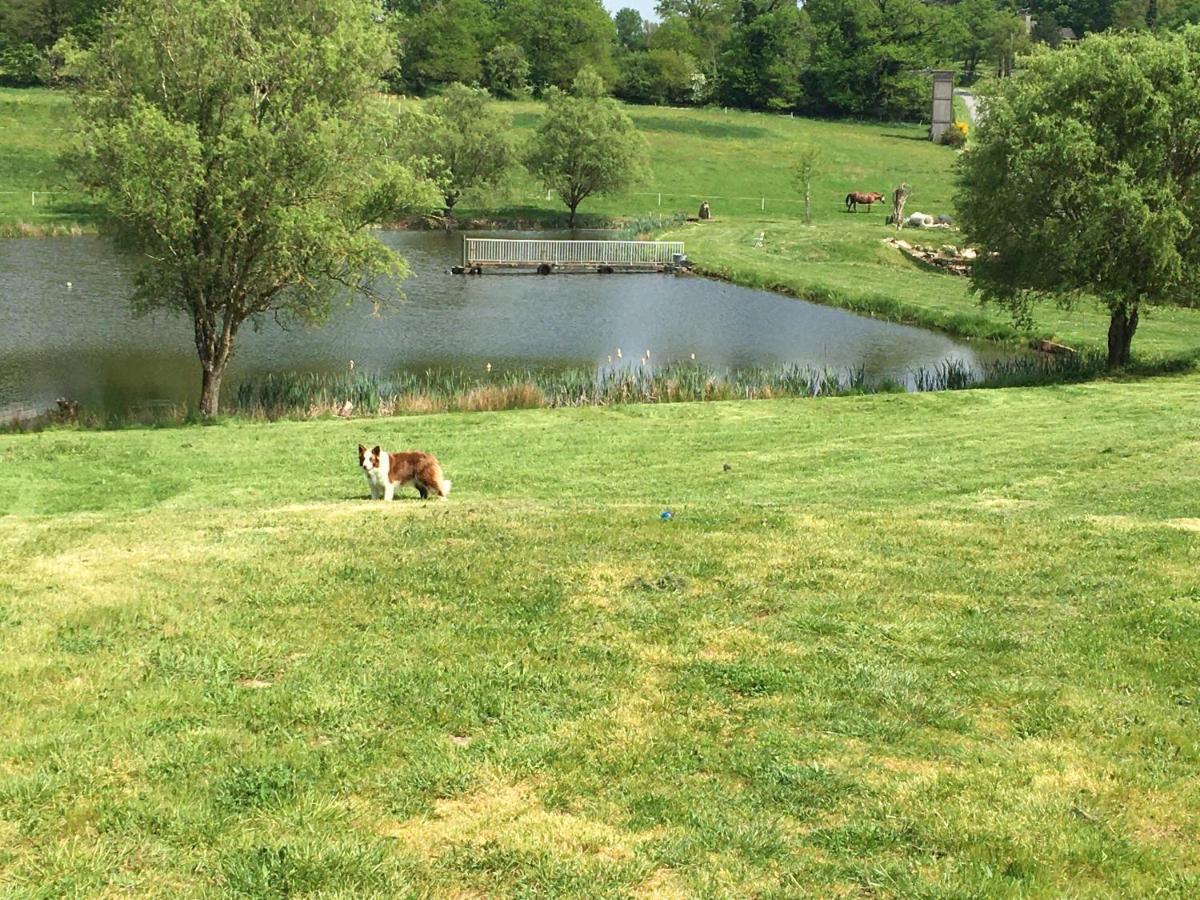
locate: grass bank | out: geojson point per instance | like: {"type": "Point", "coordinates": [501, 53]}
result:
{"type": "Point", "coordinates": [905, 645]}
{"type": "Point", "coordinates": [849, 266]}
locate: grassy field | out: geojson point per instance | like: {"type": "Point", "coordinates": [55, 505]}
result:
{"type": "Point", "coordinates": [35, 127]}
{"type": "Point", "coordinates": [734, 159]}
{"type": "Point", "coordinates": [908, 645]}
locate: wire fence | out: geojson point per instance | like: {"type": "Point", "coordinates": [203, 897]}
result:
{"type": "Point", "coordinates": [660, 200]}
{"type": "Point", "coordinates": [42, 196]}
{"type": "Point", "coordinates": [668, 200]}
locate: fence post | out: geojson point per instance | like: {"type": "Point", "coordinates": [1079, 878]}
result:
{"type": "Point", "coordinates": [33, 198]}
{"type": "Point", "coordinates": [764, 204]}
{"type": "Point", "coordinates": [660, 199]}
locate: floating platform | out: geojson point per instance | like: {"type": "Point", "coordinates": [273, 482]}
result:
{"type": "Point", "coordinates": [482, 255]}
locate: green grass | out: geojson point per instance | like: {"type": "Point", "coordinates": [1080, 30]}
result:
{"type": "Point", "coordinates": [35, 128]}
{"type": "Point", "coordinates": [935, 645]}
{"type": "Point", "coordinates": [961, 113]}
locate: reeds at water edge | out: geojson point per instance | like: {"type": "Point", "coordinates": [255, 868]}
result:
{"type": "Point", "coordinates": [359, 392]}
{"type": "Point", "coordinates": [379, 393]}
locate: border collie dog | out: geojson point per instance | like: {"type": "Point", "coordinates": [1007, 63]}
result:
{"type": "Point", "coordinates": [386, 471]}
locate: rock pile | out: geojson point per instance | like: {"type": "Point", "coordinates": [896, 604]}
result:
{"type": "Point", "coordinates": [949, 258]}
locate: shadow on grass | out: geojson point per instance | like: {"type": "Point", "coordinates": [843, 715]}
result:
{"type": "Point", "coordinates": [924, 139]}
{"type": "Point", "coordinates": [697, 127]}
{"type": "Point", "coordinates": [520, 218]}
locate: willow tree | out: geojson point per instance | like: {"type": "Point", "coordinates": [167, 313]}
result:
{"type": "Point", "coordinates": [586, 144]}
{"type": "Point", "coordinates": [472, 137]}
{"type": "Point", "coordinates": [1083, 181]}
{"type": "Point", "coordinates": [237, 145]}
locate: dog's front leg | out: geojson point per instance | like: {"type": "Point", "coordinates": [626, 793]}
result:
{"type": "Point", "coordinates": [388, 490]}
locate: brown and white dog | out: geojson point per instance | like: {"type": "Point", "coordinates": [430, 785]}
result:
{"type": "Point", "coordinates": [385, 471]}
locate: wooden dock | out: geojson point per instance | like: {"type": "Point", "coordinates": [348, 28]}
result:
{"type": "Point", "coordinates": [545, 257]}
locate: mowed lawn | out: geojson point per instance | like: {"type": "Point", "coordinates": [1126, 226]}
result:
{"type": "Point", "coordinates": [906, 645]}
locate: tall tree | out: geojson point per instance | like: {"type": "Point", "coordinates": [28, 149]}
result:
{"type": "Point", "coordinates": [869, 56]}
{"type": "Point", "coordinates": [656, 77]}
{"type": "Point", "coordinates": [560, 37]}
{"type": "Point", "coordinates": [631, 30]}
{"type": "Point", "coordinates": [708, 23]}
{"type": "Point", "coordinates": [1083, 181]}
{"type": "Point", "coordinates": [586, 144]}
{"type": "Point", "coordinates": [764, 56]}
{"type": "Point", "coordinates": [506, 70]}
{"type": "Point", "coordinates": [440, 41]}
{"type": "Point", "coordinates": [975, 31]}
{"type": "Point", "coordinates": [1083, 16]}
{"type": "Point", "coordinates": [472, 138]}
{"type": "Point", "coordinates": [237, 146]}
{"type": "Point", "coordinates": [42, 22]}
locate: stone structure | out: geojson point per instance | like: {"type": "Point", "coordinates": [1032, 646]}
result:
{"type": "Point", "coordinates": [943, 104]}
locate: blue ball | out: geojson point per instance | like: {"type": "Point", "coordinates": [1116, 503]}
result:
{"type": "Point", "coordinates": [667, 514]}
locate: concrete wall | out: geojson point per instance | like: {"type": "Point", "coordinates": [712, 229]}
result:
{"type": "Point", "coordinates": [943, 104]}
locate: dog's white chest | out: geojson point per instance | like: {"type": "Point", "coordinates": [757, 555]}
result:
{"type": "Point", "coordinates": [378, 477]}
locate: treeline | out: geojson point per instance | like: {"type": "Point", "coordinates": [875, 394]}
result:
{"type": "Point", "coordinates": [823, 57]}
{"type": "Point", "coordinates": [848, 57]}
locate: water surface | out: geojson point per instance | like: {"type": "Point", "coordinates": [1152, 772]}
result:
{"type": "Point", "coordinates": [81, 341]}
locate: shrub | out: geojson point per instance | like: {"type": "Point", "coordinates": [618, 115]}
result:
{"type": "Point", "coordinates": [955, 135]}
{"type": "Point", "coordinates": [22, 65]}
{"type": "Point", "coordinates": [506, 71]}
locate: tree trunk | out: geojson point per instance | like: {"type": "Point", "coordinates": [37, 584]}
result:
{"type": "Point", "coordinates": [210, 390]}
{"type": "Point", "coordinates": [571, 221]}
{"type": "Point", "coordinates": [807, 204]}
{"type": "Point", "coordinates": [214, 347]}
{"type": "Point", "coordinates": [1121, 327]}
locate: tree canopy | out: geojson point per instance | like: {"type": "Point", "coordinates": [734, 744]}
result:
{"type": "Point", "coordinates": [822, 57]}
{"type": "Point", "coordinates": [1083, 180]}
{"type": "Point", "coordinates": [586, 144]}
{"type": "Point", "coordinates": [472, 139]}
{"type": "Point", "coordinates": [237, 145]}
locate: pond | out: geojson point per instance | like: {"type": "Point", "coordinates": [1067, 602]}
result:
{"type": "Point", "coordinates": [66, 329]}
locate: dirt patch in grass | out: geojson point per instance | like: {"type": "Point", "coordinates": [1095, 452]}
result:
{"type": "Point", "coordinates": [512, 817]}
{"type": "Point", "coordinates": [663, 884]}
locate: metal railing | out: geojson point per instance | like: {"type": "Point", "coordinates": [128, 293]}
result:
{"type": "Point", "coordinates": [518, 253]}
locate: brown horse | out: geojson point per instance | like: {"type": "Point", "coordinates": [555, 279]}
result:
{"type": "Point", "coordinates": [856, 197]}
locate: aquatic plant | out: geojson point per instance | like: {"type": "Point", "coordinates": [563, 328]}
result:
{"type": "Point", "coordinates": [373, 393]}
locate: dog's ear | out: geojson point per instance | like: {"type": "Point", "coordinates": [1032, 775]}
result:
{"type": "Point", "coordinates": [375, 450]}
{"type": "Point", "coordinates": [362, 451]}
